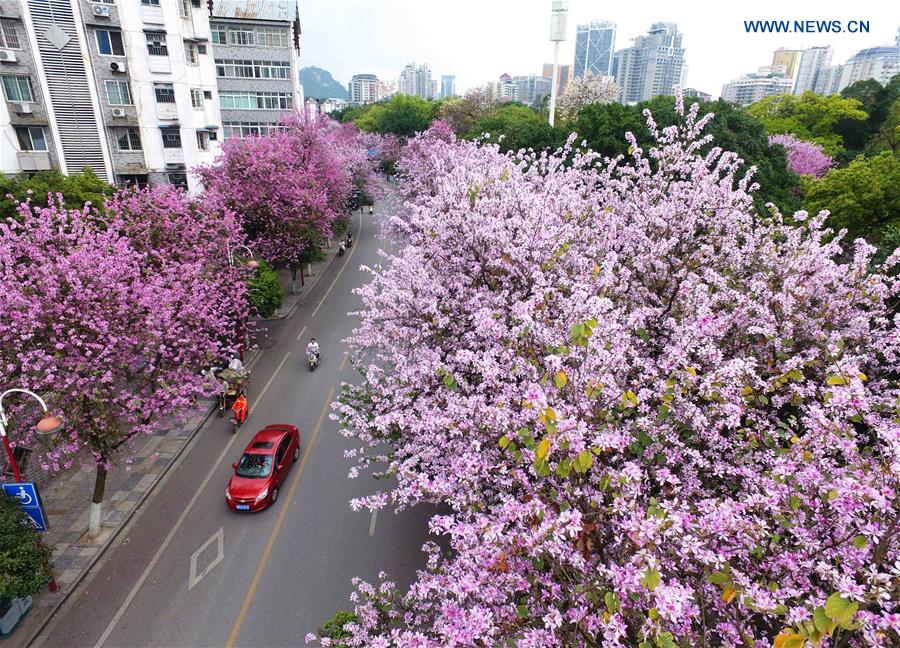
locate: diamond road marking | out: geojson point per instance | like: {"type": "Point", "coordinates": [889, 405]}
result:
{"type": "Point", "coordinates": [219, 538]}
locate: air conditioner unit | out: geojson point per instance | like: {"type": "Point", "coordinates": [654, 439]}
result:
{"type": "Point", "coordinates": [100, 10]}
{"type": "Point", "coordinates": [118, 112]}
{"type": "Point", "coordinates": [118, 66]}
{"type": "Point", "coordinates": [24, 109]}
{"type": "Point", "coordinates": [7, 56]}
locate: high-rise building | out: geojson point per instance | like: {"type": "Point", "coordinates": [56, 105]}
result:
{"type": "Point", "coordinates": [595, 45]}
{"type": "Point", "coordinates": [504, 89]}
{"type": "Point", "coordinates": [789, 59]}
{"type": "Point", "coordinates": [879, 63]}
{"type": "Point", "coordinates": [448, 85]}
{"type": "Point", "coordinates": [812, 61]}
{"type": "Point", "coordinates": [257, 54]}
{"type": "Point", "coordinates": [692, 93]}
{"type": "Point", "coordinates": [564, 78]}
{"type": "Point", "coordinates": [533, 88]}
{"type": "Point", "coordinates": [416, 80]}
{"type": "Point", "coordinates": [653, 66]}
{"type": "Point", "coordinates": [750, 88]}
{"type": "Point", "coordinates": [364, 88]}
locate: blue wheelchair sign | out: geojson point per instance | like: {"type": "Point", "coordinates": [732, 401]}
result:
{"type": "Point", "coordinates": [30, 502]}
{"type": "Point", "coordinates": [373, 152]}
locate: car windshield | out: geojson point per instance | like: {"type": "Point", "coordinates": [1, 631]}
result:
{"type": "Point", "coordinates": [255, 465]}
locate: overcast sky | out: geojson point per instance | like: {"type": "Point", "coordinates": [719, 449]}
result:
{"type": "Point", "coordinates": [478, 40]}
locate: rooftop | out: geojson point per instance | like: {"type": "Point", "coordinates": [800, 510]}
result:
{"type": "Point", "coordinates": [284, 10]}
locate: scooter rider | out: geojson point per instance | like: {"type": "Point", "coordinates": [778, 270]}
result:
{"type": "Point", "coordinates": [312, 349]}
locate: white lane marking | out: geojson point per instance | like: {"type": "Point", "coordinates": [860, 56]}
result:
{"type": "Point", "coordinates": [301, 334]}
{"type": "Point", "coordinates": [341, 271]}
{"type": "Point", "coordinates": [372, 523]}
{"type": "Point", "coordinates": [134, 590]}
{"type": "Point", "coordinates": [344, 361]}
{"type": "Point", "coordinates": [219, 538]}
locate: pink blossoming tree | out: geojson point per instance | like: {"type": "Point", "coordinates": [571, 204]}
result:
{"type": "Point", "coordinates": [804, 158]}
{"type": "Point", "coordinates": [653, 419]}
{"type": "Point", "coordinates": [113, 318]}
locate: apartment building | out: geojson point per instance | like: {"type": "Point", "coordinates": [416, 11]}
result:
{"type": "Point", "coordinates": [256, 46]}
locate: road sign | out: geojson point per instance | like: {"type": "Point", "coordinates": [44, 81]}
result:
{"type": "Point", "coordinates": [373, 152]}
{"type": "Point", "coordinates": [30, 502]}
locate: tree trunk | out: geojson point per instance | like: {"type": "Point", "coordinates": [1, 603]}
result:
{"type": "Point", "coordinates": [293, 280]}
{"type": "Point", "coordinates": [97, 501]}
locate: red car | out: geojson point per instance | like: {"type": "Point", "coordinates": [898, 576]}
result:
{"type": "Point", "coordinates": [263, 468]}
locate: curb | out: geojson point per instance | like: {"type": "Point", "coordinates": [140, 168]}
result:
{"type": "Point", "coordinates": [114, 536]}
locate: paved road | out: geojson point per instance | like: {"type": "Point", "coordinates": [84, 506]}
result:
{"type": "Point", "coordinates": [264, 579]}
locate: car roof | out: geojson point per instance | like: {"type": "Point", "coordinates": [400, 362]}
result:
{"type": "Point", "coordinates": [270, 433]}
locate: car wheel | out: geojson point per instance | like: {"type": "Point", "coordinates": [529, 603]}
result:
{"type": "Point", "coordinates": [296, 452]}
{"type": "Point", "coordinates": [274, 495]}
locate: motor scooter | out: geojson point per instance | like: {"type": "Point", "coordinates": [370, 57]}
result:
{"type": "Point", "coordinates": [313, 359]}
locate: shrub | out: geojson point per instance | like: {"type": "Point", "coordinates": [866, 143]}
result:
{"type": "Point", "coordinates": [24, 558]}
{"type": "Point", "coordinates": [266, 294]}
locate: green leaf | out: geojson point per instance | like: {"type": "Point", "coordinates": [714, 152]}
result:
{"type": "Point", "coordinates": [542, 449]}
{"type": "Point", "coordinates": [840, 609]}
{"type": "Point", "coordinates": [604, 482]}
{"type": "Point", "coordinates": [794, 502]}
{"type": "Point", "coordinates": [650, 579]}
{"type": "Point", "coordinates": [663, 414]}
{"type": "Point", "coordinates": [584, 461]}
{"type": "Point", "coordinates": [564, 467]}
{"type": "Point", "coordinates": [560, 379]}
{"type": "Point", "coordinates": [836, 380]}
{"type": "Point", "coordinates": [666, 640]}
{"type": "Point", "coordinates": [612, 602]}
{"type": "Point", "coordinates": [820, 618]}
{"type": "Point", "coordinates": [504, 441]}
{"type": "Point", "coordinates": [522, 611]}
{"type": "Point", "coordinates": [860, 542]}
{"type": "Point", "coordinates": [719, 578]}
{"type": "Point", "coordinates": [653, 613]}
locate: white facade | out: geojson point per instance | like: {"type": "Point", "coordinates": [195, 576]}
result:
{"type": "Point", "coordinates": [750, 88]}
{"type": "Point", "coordinates": [812, 62]}
{"type": "Point", "coordinates": [653, 66]}
{"type": "Point", "coordinates": [364, 88]}
{"type": "Point", "coordinates": [879, 63]}
{"type": "Point", "coordinates": [416, 80]}
{"type": "Point", "coordinates": [151, 76]}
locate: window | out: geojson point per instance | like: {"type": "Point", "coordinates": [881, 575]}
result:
{"type": "Point", "coordinates": [203, 140]}
{"type": "Point", "coordinates": [219, 35]}
{"type": "Point", "coordinates": [241, 36]}
{"type": "Point", "coordinates": [184, 8]}
{"type": "Point", "coordinates": [165, 92]}
{"type": "Point", "coordinates": [31, 138]}
{"type": "Point", "coordinates": [171, 138]}
{"type": "Point", "coordinates": [118, 93]}
{"type": "Point", "coordinates": [190, 53]}
{"type": "Point", "coordinates": [128, 139]}
{"type": "Point", "coordinates": [197, 98]}
{"type": "Point", "coordinates": [150, 3]}
{"type": "Point", "coordinates": [207, 94]}
{"type": "Point", "coordinates": [138, 181]}
{"type": "Point", "coordinates": [255, 100]}
{"type": "Point", "coordinates": [201, 49]}
{"type": "Point", "coordinates": [178, 179]}
{"type": "Point", "coordinates": [271, 37]}
{"type": "Point", "coordinates": [109, 42]}
{"type": "Point", "coordinates": [156, 44]}
{"type": "Point", "coordinates": [231, 68]}
{"type": "Point", "coordinates": [9, 37]}
{"type": "Point", "coordinates": [17, 88]}
{"type": "Point", "coordinates": [243, 129]}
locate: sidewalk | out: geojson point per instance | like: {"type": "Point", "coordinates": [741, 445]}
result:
{"type": "Point", "coordinates": [67, 495]}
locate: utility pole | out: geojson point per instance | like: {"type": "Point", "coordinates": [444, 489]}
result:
{"type": "Point", "coordinates": [558, 15]}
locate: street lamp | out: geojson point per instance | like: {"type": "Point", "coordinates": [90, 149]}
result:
{"type": "Point", "coordinates": [252, 264]}
{"type": "Point", "coordinates": [558, 15]}
{"type": "Point", "coordinates": [47, 425]}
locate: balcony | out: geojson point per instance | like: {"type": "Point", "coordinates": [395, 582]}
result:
{"type": "Point", "coordinates": [34, 160]}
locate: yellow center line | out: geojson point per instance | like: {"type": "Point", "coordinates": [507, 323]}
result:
{"type": "Point", "coordinates": [235, 631]}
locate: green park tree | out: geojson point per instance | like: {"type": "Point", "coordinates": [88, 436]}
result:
{"type": "Point", "coordinates": [77, 189]}
{"type": "Point", "coordinates": [876, 100]}
{"type": "Point", "coordinates": [809, 117]}
{"type": "Point", "coordinates": [514, 126]}
{"type": "Point", "coordinates": [862, 197]}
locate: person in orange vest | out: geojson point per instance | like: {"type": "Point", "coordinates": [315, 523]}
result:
{"type": "Point", "coordinates": [240, 409]}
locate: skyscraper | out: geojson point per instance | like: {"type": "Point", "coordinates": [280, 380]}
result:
{"type": "Point", "coordinates": [812, 62]}
{"type": "Point", "coordinates": [416, 80]}
{"type": "Point", "coordinates": [789, 58]}
{"type": "Point", "coordinates": [533, 88]}
{"type": "Point", "coordinates": [652, 66]}
{"type": "Point", "coordinates": [364, 88]}
{"type": "Point", "coordinates": [448, 85]}
{"type": "Point", "coordinates": [594, 47]}
{"type": "Point", "coordinates": [565, 76]}
{"type": "Point", "coordinates": [750, 88]}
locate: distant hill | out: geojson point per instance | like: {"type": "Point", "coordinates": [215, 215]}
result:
{"type": "Point", "coordinates": [319, 84]}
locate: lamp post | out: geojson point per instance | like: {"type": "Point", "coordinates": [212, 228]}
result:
{"type": "Point", "coordinates": [558, 15]}
{"type": "Point", "coordinates": [47, 425]}
{"type": "Point", "coordinates": [252, 264]}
